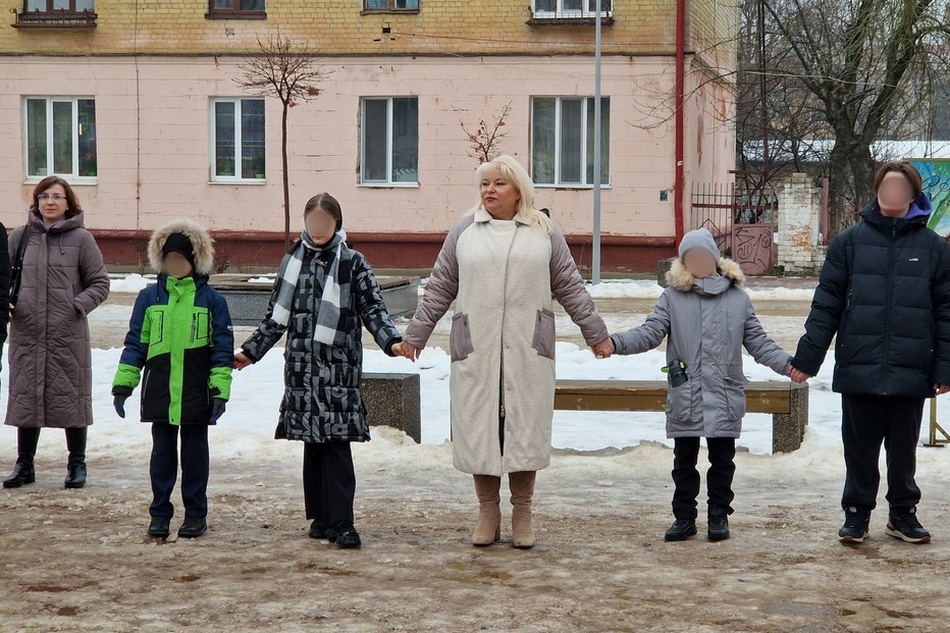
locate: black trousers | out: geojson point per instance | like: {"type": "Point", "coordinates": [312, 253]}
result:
{"type": "Point", "coordinates": [329, 482]}
{"type": "Point", "coordinates": [867, 422]}
{"type": "Point", "coordinates": [163, 468]}
{"type": "Point", "coordinates": [722, 468]}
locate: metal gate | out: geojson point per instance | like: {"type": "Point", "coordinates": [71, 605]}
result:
{"type": "Point", "coordinates": [742, 216]}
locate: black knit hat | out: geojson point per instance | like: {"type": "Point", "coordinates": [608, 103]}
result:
{"type": "Point", "coordinates": [179, 243]}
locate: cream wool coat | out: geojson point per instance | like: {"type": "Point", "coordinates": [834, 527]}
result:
{"type": "Point", "coordinates": [502, 275]}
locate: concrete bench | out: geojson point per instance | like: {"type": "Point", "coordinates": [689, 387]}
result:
{"type": "Point", "coordinates": [786, 401]}
{"type": "Point", "coordinates": [247, 301]}
{"type": "Point", "coordinates": [394, 400]}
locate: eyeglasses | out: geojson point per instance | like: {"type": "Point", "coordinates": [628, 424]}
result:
{"type": "Point", "coordinates": [56, 197]}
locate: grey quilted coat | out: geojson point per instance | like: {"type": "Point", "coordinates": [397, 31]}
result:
{"type": "Point", "coordinates": [707, 322]}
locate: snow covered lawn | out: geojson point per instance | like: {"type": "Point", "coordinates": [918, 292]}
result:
{"type": "Point", "coordinates": [78, 560]}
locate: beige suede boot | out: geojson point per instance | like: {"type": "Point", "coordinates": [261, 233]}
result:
{"type": "Point", "coordinates": [488, 528]}
{"type": "Point", "coordinates": [522, 491]}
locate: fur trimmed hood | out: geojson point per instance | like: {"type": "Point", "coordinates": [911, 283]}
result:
{"type": "Point", "coordinates": [200, 239]}
{"type": "Point", "coordinates": [680, 279]}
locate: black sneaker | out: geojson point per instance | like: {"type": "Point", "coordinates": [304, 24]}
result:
{"type": "Point", "coordinates": [681, 530]}
{"type": "Point", "coordinates": [319, 531]}
{"type": "Point", "coordinates": [192, 527]}
{"type": "Point", "coordinates": [717, 527]}
{"type": "Point", "coordinates": [158, 528]}
{"type": "Point", "coordinates": [855, 528]}
{"type": "Point", "coordinates": [344, 535]}
{"type": "Point", "coordinates": [903, 524]}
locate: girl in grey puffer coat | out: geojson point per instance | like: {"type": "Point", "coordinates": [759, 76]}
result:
{"type": "Point", "coordinates": [707, 318]}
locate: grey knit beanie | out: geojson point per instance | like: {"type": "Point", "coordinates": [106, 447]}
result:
{"type": "Point", "coordinates": [699, 238]}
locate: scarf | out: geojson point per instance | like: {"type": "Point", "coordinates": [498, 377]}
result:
{"type": "Point", "coordinates": [326, 329]}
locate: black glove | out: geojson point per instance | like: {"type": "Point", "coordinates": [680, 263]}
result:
{"type": "Point", "coordinates": [217, 409]}
{"type": "Point", "coordinates": [118, 401]}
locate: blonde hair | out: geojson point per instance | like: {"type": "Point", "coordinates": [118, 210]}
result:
{"type": "Point", "coordinates": [512, 171]}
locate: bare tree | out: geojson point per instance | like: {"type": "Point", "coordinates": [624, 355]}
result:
{"type": "Point", "coordinates": [868, 67]}
{"type": "Point", "coordinates": [278, 69]}
{"type": "Point", "coordinates": [485, 140]}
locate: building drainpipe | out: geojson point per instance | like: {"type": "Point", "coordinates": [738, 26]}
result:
{"type": "Point", "coordinates": [679, 186]}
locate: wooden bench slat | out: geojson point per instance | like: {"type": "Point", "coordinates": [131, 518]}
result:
{"type": "Point", "coordinates": [650, 395]}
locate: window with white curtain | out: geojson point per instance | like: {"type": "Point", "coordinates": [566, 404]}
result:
{"type": "Point", "coordinates": [60, 135]}
{"type": "Point", "coordinates": [389, 141]}
{"type": "Point", "coordinates": [562, 141]}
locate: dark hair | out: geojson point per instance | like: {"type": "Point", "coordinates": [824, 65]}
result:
{"type": "Point", "coordinates": [909, 172]}
{"type": "Point", "coordinates": [72, 202]}
{"type": "Point", "coordinates": [329, 204]}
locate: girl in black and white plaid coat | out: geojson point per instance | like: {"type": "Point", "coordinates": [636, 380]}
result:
{"type": "Point", "coordinates": [325, 292]}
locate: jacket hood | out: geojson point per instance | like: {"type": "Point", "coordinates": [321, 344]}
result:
{"type": "Point", "coordinates": [681, 279]}
{"type": "Point", "coordinates": [918, 213]}
{"type": "Point", "coordinates": [200, 240]}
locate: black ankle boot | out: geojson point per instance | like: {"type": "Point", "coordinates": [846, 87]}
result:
{"type": "Point", "coordinates": [23, 473]}
{"type": "Point", "coordinates": [76, 467]}
{"type": "Point", "coordinates": [76, 475]}
{"type": "Point", "coordinates": [192, 527]}
{"type": "Point", "coordinates": [159, 527]}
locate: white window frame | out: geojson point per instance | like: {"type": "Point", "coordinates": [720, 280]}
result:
{"type": "Point", "coordinates": [389, 183]}
{"type": "Point", "coordinates": [73, 176]}
{"type": "Point", "coordinates": [560, 13]}
{"type": "Point", "coordinates": [557, 184]}
{"type": "Point", "coordinates": [213, 135]}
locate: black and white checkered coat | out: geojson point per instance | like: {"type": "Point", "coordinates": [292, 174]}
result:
{"type": "Point", "coordinates": [322, 400]}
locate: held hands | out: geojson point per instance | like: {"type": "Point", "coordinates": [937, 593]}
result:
{"type": "Point", "coordinates": [797, 375]}
{"type": "Point", "coordinates": [241, 361]}
{"type": "Point", "coordinates": [604, 349]}
{"type": "Point", "coordinates": [406, 350]}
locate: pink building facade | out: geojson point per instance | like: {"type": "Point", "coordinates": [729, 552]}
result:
{"type": "Point", "coordinates": [147, 138]}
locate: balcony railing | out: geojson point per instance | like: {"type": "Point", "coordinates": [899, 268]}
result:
{"type": "Point", "coordinates": [56, 20]}
{"type": "Point", "coordinates": [584, 16]}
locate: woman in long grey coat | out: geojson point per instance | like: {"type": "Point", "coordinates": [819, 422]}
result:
{"type": "Point", "coordinates": [501, 265]}
{"type": "Point", "coordinates": [707, 318]}
{"type": "Point", "coordinates": [63, 279]}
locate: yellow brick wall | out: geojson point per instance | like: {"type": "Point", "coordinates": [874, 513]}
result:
{"type": "Point", "coordinates": [336, 27]}
{"type": "Point", "coordinates": [712, 29]}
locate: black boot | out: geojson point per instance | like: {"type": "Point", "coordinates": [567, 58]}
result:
{"type": "Point", "coordinates": [158, 528]}
{"type": "Point", "coordinates": [319, 531]}
{"type": "Point", "coordinates": [856, 523]}
{"type": "Point", "coordinates": [903, 524]}
{"type": "Point", "coordinates": [76, 468]}
{"type": "Point", "coordinates": [681, 530]}
{"type": "Point", "coordinates": [192, 527]}
{"type": "Point", "coordinates": [24, 472]}
{"type": "Point", "coordinates": [344, 535]}
{"type": "Point", "coordinates": [717, 525]}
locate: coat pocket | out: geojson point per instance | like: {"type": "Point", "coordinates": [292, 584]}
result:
{"type": "Point", "coordinates": [678, 401]}
{"type": "Point", "coordinates": [200, 327]}
{"type": "Point", "coordinates": [735, 396]}
{"type": "Point", "coordinates": [544, 334]}
{"type": "Point", "coordinates": [460, 338]}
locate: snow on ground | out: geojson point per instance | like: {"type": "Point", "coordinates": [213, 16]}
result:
{"type": "Point", "coordinates": [78, 560]}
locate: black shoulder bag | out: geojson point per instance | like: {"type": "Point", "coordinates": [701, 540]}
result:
{"type": "Point", "coordinates": [16, 271]}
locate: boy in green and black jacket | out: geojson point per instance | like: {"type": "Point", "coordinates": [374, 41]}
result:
{"type": "Point", "coordinates": [180, 333]}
